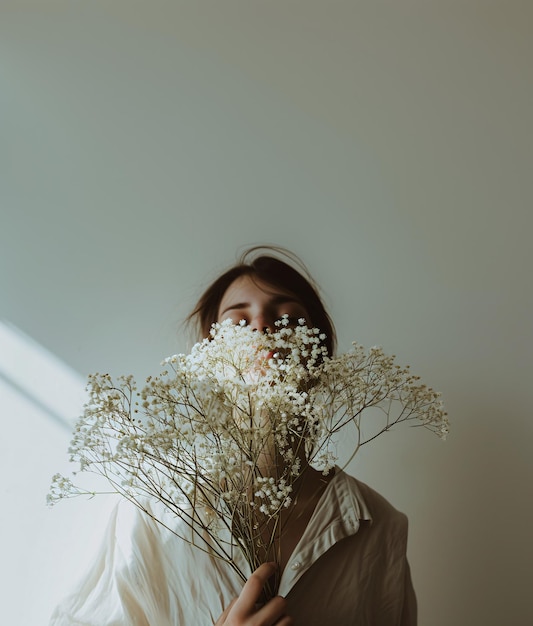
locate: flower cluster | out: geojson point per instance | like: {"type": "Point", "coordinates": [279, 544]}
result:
{"type": "Point", "coordinates": [221, 436]}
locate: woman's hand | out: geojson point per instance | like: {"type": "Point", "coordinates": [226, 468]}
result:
{"type": "Point", "coordinates": [243, 612]}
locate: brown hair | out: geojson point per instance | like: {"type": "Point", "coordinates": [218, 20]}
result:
{"type": "Point", "coordinates": [273, 271]}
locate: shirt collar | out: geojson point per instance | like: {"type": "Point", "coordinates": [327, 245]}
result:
{"type": "Point", "coordinates": [338, 514]}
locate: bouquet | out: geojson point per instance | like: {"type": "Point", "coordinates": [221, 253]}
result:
{"type": "Point", "coordinates": [221, 436]}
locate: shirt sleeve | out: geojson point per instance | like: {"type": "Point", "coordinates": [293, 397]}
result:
{"type": "Point", "coordinates": [409, 609]}
{"type": "Point", "coordinates": [125, 585]}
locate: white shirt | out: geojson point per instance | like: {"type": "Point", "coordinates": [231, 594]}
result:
{"type": "Point", "coordinates": [348, 569]}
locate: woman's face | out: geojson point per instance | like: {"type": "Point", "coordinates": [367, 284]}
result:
{"type": "Point", "coordinates": [259, 305]}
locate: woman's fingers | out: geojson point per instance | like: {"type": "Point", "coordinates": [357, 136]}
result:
{"type": "Point", "coordinates": [251, 592]}
{"type": "Point", "coordinates": [243, 611]}
{"type": "Point", "coordinates": [274, 613]}
{"type": "Point", "coordinates": [222, 619]}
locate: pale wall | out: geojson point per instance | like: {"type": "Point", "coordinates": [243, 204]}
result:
{"type": "Point", "coordinates": [387, 143]}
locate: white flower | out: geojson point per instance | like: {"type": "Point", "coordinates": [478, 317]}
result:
{"type": "Point", "coordinates": [223, 433]}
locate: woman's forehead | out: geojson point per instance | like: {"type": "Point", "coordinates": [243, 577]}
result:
{"type": "Point", "coordinates": [256, 286]}
{"type": "Point", "coordinates": [247, 289]}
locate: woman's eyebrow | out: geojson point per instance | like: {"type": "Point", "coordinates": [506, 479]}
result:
{"type": "Point", "coordinates": [279, 299]}
{"type": "Point", "coordinates": [237, 306]}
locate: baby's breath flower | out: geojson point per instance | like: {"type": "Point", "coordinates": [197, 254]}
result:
{"type": "Point", "coordinates": [200, 437]}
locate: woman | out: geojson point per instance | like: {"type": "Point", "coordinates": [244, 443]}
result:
{"type": "Point", "coordinates": [342, 551]}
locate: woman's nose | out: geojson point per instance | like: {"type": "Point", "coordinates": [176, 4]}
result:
{"type": "Point", "coordinates": [262, 323]}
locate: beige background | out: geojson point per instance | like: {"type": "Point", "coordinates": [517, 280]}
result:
{"type": "Point", "coordinates": [389, 143]}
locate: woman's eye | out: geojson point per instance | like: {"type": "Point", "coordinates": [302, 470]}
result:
{"type": "Point", "coordinates": [294, 320]}
{"type": "Point", "coordinates": [237, 319]}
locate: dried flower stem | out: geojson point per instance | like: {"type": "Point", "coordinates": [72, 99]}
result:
{"type": "Point", "coordinates": [221, 437]}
